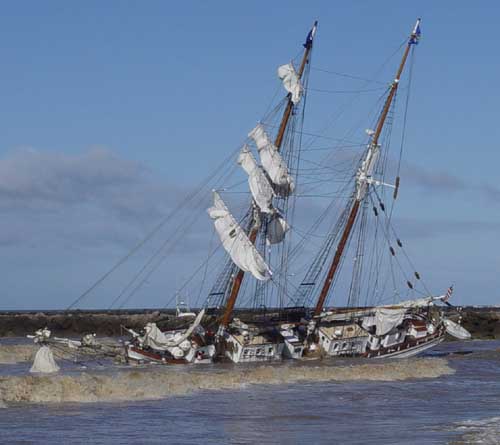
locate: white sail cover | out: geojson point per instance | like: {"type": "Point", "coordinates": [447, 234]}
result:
{"type": "Point", "coordinates": [236, 242]}
{"type": "Point", "coordinates": [387, 319]}
{"type": "Point", "coordinates": [261, 189]}
{"type": "Point", "coordinates": [272, 161]}
{"type": "Point", "coordinates": [276, 229]}
{"type": "Point", "coordinates": [44, 361]}
{"type": "Point", "coordinates": [291, 81]}
{"type": "Point", "coordinates": [162, 341]}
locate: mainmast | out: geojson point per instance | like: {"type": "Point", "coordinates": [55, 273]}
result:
{"type": "Point", "coordinates": [364, 176]}
{"type": "Point", "coordinates": [238, 280]}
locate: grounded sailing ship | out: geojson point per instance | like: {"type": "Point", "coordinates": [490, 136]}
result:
{"type": "Point", "coordinates": [403, 329]}
{"type": "Point", "coordinates": [260, 254]}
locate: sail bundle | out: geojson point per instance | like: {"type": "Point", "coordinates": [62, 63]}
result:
{"type": "Point", "coordinates": [266, 181]}
{"type": "Point", "coordinates": [272, 162]}
{"type": "Point", "coordinates": [262, 190]}
{"type": "Point", "coordinates": [236, 242]}
{"type": "Point", "coordinates": [291, 82]}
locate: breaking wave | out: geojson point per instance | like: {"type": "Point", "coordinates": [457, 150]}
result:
{"type": "Point", "coordinates": [147, 383]}
{"type": "Point", "coordinates": [485, 431]}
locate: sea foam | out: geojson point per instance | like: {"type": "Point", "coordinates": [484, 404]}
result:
{"type": "Point", "coordinates": [160, 382]}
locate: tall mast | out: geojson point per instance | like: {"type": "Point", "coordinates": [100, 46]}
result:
{"type": "Point", "coordinates": [365, 173]}
{"type": "Point", "coordinates": [238, 280]}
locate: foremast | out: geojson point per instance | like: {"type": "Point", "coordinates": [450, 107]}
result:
{"type": "Point", "coordinates": [364, 177]}
{"type": "Point", "coordinates": [255, 219]}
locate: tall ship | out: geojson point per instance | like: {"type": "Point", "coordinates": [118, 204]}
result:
{"type": "Point", "coordinates": [342, 287]}
{"type": "Point", "coordinates": [402, 328]}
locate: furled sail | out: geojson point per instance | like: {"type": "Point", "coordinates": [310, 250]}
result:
{"type": "Point", "coordinates": [291, 81]}
{"type": "Point", "coordinates": [276, 229]}
{"type": "Point", "coordinates": [261, 189]}
{"type": "Point", "coordinates": [272, 161]}
{"type": "Point", "coordinates": [236, 242]}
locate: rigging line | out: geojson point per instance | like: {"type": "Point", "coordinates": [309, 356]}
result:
{"type": "Point", "coordinates": [408, 258]}
{"type": "Point", "coordinates": [352, 129]}
{"type": "Point", "coordinates": [233, 186]}
{"type": "Point", "coordinates": [182, 228]}
{"type": "Point", "coordinates": [186, 283]}
{"type": "Point", "coordinates": [348, 76]}
{"type": "Point", "coordinates": [386, 234]}
{"type": "Point", "coordinates": [405, 117]}
{"type": "Point", "coordinates": [369, 90]}
{"type": "Point", "coordinates": [299, 156]}
{"type": "Point", "coordinates": [349, 104]}
{"type": "Point", "coordinates": [335, 147]}
{"type": "Point", "coordinates": [158, 251]}
{"type": "Point", "coordinates": [162, 258]}
{"type": "Point", "coordinates": [150, 235]}
{"type": "Point", "coordinates": [315, 135]}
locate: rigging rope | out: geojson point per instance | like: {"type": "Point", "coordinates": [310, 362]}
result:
{"type": "Point", "coordinates": [151, 234]}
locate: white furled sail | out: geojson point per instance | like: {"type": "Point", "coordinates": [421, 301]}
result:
{"type": "Point", "coordinates": [276, 229]}
{"type": "Point", "coordinates": [291, 81]}
{"type": "Point", "coordinates": [272, 161]}
{"type": "Point", "coordinates": [236, 242]}
{"type": "Point", "coordinates": [261, 189]}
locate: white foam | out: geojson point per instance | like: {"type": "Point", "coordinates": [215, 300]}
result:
{"type": "Point", "coordinates": [485, 431]}
{"type": "Point", "coordinates": [160, 382]}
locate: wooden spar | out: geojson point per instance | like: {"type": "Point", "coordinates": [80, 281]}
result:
{"type": "Point", "coordinates": [238, 280]}
{"type": "Point", "coordinates": [236, 286]}
{"type": "Point", "coordinates": [355, 207]}
{"type": "Point", "coordinates": [289, 105]}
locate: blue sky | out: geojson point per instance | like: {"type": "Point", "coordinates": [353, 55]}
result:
{"type": "Point", "coordinates": [110, 108]}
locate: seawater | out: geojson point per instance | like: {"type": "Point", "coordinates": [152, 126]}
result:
{"type": "Point", "coordinates": [451, 395]}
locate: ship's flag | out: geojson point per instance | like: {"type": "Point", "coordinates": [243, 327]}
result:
{"type": "Point", "coordinates": [310, 36]}
{"type": "Point", "coordinates": [449, 292]}
{"type": "Point", "coordinates": [415, 37]}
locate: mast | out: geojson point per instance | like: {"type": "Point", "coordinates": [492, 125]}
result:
{"type": "Point", "coordinates": [365, 173]}
{"type": "Point", "coordinates": [238, 280]}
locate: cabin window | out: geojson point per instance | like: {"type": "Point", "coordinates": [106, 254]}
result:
{"type": "Point", "coordinates": [335, 346]}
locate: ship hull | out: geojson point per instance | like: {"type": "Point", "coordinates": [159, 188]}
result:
{"type": "Point", "coordinates": [135, 354]}
{"type": "Point", "coordinates": [408, 350]}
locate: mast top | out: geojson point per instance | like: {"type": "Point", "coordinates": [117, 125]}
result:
{"type": "Point", "coordinates": [310, 36]}
{"type": "Point", "coordinates": [415, 35]}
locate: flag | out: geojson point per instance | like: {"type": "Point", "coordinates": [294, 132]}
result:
{"type": "Point", "coordinates": [448, 294]}
{"type": "Point", "coordinates": [310, 36]}
{"type": "Point", "coordinates": [415, 36]}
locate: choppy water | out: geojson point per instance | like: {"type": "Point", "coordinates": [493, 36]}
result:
{"type": "Point", "coordinates": [447, 397]}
